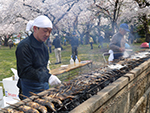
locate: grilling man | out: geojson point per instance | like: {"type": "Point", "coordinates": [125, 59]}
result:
{"type": "Point", "coordinates": [32, 58]}
{"type": "Point", "coordinates": [117, 44]}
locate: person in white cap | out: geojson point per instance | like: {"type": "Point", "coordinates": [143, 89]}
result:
{"type": "Point", "coordinates": [32, 58]}
{"type": "Point", "coordinates": [117, 44]}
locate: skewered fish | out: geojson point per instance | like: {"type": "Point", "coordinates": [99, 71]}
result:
{"type": "Point", "coordinates": [37, 106]}
{"type": "Point", "coordinates": [46, 103]}
{"type": "Point", "coordinates": [9, 110]}
{"type": "Point", "coordinates": [24, 108]}
{"type": "Point", "coordinates": [50, 99]}
{"type": "Point", "coordinates": [63, 96]}
{"type": "Point", "coordinates": [27, 109]}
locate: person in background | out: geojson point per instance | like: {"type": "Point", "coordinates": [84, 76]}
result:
{"type": "Point", "coordinates": [32, 58]}
{"type": "Point", "coordinates": [50, 46]}
{"type": "Point", "coordinates": [74, 45]}
{"type": "Point", "coordinates": [100, 40]}
{"type": "Point", "coordinates": [0, 44]}
{"type": "Point", "coordinates": [65, 41]}
{"type": "Point", "coordinates": [117, 44]}
{"type": "Point", "coordinates": [57, 44]}
{"type": "Point", "coordinates": [91, 42]}
{"type": "Point", "coordinates": [10, 43]}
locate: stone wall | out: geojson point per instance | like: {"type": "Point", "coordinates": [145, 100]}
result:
{"type": "Point", "coordinates": [128, 94]}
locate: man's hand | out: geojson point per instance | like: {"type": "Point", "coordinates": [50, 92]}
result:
{"type": "Point", "coordinates": [122, 49]}
{"type": "Point", "coordinates": [53, 80]}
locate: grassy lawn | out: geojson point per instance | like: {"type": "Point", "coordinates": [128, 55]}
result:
{"type": "Point", "coordinates": [8, 59]}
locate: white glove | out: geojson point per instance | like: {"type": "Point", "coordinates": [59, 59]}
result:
{"type": "Point", "coordinates": [53, 80]}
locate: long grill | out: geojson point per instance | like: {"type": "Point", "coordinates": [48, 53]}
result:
{"type": "Point", "coordinates": [68, 95]}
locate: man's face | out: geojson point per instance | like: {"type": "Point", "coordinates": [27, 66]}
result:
{"type": "Point", "coordinates": [42, 34]}
{"type": "Point", "coordinates": [123, 32]}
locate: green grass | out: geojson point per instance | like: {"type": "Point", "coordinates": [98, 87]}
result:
{"type": "Point", "coordinates": [8, 59]}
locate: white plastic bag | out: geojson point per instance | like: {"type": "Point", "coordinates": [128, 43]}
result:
{"type": "Point", "coordinates": [125, 55]}
{"type": "Point", "coordinates": [48, 66]}
{"type": "Point", "coordinates": [111, 56]}
{"type": "Point", "coordinates": [15, 73]}
{"type": "Point", "coordinates": [53, 80]}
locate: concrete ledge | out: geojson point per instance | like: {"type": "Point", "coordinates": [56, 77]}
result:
{"type": "Point", "coordinates": [132, 96]}
{"type": "Point", "coordinates": [98, 100]}
{"type": "Point", "coordinates": [121, 86]}
{"type": "Point", "coordinates": [138, 70]}
{"type": "Point", "coordinates": [141, 100]}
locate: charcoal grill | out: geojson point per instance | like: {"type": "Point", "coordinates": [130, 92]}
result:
{"type": "Point", "coordinates": [78, 90]}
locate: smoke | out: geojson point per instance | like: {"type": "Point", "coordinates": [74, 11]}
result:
{"type": "Point", "coordinates": [126, 54]}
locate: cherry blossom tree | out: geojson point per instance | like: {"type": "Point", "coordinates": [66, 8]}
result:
{"type": "Point", "coordinates": [64, 14]}
{"type": "Point", "coordinates": [138, 15]}
{"type": "Point", "coordinates": [82, 16]}
{"type": "Point", "coordinates": [133, 12]}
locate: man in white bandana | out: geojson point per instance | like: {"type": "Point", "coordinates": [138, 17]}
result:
{"type": "Point", "coordinates": [32, 58]}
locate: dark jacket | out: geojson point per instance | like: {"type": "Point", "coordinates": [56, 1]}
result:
{"type": "Point", "coordinates": [49, 43]}
{"type": "Point", "coordinates": [74, 41]}
{"type": "Point", "coordinates": [56, 42]}
{"type": "Point", "coordinates": [32, 58]}
{"type": "Point", "coordinates": [100, 39]}
{"type": "Point", "coordinates": [117, 42]}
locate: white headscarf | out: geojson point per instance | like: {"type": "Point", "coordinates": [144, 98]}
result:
{"type": "Point", "coordinates": [41, 21]}
{"type": "Point", "coordinates": [29, 25]}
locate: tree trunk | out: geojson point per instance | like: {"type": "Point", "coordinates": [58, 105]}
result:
{"type": "Point", "coordinates": [87, 38]}
{"type": "Point", "coordinates": [145, 24]}
{"type": "Point", "coordinates": [114, 16]}
{"type": "Point", "coordinates": [6, 40]}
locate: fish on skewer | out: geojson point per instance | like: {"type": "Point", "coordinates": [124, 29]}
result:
{"type": "Point", "coordinates": [35, 105]}
{"type": "Point", "coordinates": [62, 96]}
{"type": "Point", "coordinates": [25, 109]}
{"type": "Point", "coordinates": [10, 110]}
{"type": "Point", "coordinates": [50, 99]}
{"type": "Point", "coordinates": [45, 103]}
